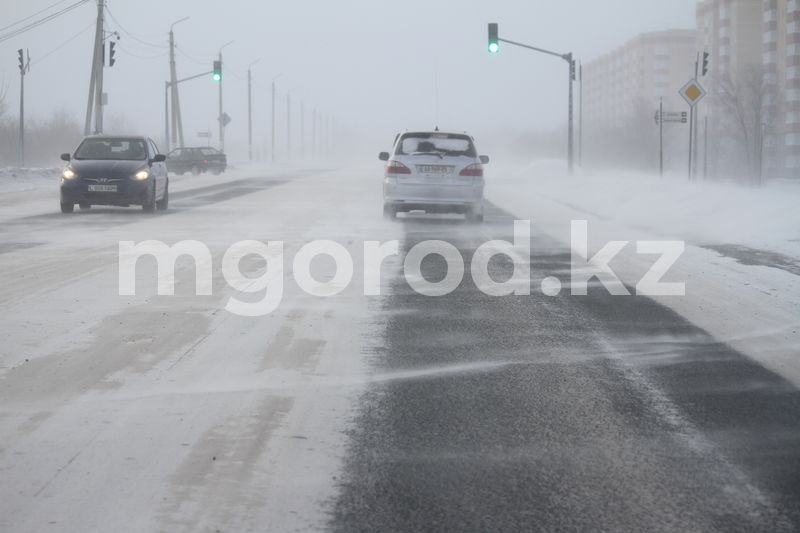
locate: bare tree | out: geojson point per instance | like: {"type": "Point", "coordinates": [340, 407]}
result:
{"type": "Point", "coordinates": [744, 98]}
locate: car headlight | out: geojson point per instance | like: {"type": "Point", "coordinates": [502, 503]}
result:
{"type": "Point", "coordinates": [142, 175]}
{"type": "Point", "coordinates": [68, 174]}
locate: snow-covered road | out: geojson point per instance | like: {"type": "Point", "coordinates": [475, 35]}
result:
{"type": "Point", "coordinates": [377, 413]}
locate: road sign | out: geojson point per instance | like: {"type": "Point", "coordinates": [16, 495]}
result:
{"type": "Point", "coordinates": [225, 119]}
{"type": "Point", "coordinates": [673, 116]}
{"type": "Point", "coordinates": [204, 134]}
{"type": "Point", "coordinates": [692, 92]}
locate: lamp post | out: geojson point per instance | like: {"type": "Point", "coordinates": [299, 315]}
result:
{"type": "Point", "coordinates": [250, 110]}
{"type": "Point", "coordinates": [273, 116]}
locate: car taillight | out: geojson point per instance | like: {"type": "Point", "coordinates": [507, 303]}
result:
{"type": "Point", "coordinates": [475, 170]}
{"type": "Point", "coordinates": [396, 167]}
{"type": "Point", "coordinates": [205, 161]}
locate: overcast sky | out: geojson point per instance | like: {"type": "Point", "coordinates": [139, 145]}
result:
{"type": "Point", "coordinates": [372, 64]}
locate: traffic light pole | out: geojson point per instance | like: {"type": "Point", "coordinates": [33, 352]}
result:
{"type": "Point", "coordinates": [167, 86]}
{"type": "Point", "coordinates": [570, 121]}
{"type": "Point", "coordinates": [221, 125]}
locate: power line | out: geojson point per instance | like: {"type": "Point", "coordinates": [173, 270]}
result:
{"type": "Point", "coordinates": [128, 52]}
{"type": "Point", "coordinates": [132, 36]}
{"type": "Point", "coordinates": [31, 16]}
{"type": "Point", "coordinates": [62, 45]}
{"type": "Point", "coordinates": [41, 21]}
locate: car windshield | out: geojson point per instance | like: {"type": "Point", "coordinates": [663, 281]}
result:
{"type": "Point", "coordinates": [436, 143]}
{"type": "Point", "coordinates": [112, 149]}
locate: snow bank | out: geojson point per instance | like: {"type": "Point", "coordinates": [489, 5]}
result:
{"type": "Point", "coordinates": [701, 213]}
{"type": "Point", "coordinates": [27, 179]}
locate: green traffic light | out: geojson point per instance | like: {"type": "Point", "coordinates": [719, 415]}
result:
{"type": "Point", "coordinates": [216, 76]}
{"type": "Point", "coordinates": [494, 47]}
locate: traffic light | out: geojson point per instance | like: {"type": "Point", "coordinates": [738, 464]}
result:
{"type": "Point", "coordinates": [217, 74]}
{"type": "Point", "coordinates": [705, 63]}
{"type": "Point", "coordinates": [21, 60]}
{"type": "Point", "coordinates": [111, 53]}
{"type": "Point", "coordinates": [494, 40]}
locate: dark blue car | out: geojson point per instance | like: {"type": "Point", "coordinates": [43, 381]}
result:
{"type": "Point", "coordinates": [112, 170]}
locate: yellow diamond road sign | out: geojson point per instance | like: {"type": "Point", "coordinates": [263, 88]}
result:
{"type": "Point", "coordinates": [692, 92]}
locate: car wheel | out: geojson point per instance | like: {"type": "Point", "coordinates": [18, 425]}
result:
{"type": "Point", "coordinates": [85, 207]}
{"type": "Point", "coordinates": [195, 170]}
{"type": "Point", "coordinates": [164, 202]}
{"type": "Point", "coordinates": [389, 212]}
{"type": "Point", "coordinates": [216, 172]}
{"type": "Point", "coordinates": [67, 208]}
{"type": "Point", "coordinates": [149, 204]}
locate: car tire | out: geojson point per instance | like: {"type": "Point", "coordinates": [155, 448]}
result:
{"type": "Point", "coordinates": [163, 204]}
{"type": "Point", "coordinates": [85, 207]}
{"type": "Point", "coordinates": [216, 172]}
{"type": "Point", "coordinates": [195, 170]}
{"type": "Point", "coordinates": [389, 212]}
{"type": "Point", "coordinates": [67, 208]}
{"type": "Point", "coordinates": [149, 204]}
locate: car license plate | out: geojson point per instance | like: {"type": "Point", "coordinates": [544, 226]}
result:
{"type": "Point", "coordinates": [436, 170]}
{"type": "Point", "coordinates": [102, 188]}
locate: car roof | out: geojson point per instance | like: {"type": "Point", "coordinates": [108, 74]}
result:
{"type": "Point", "coordinates": [429, 132]}
{"type": "Point", "coordinates": [109, 136]}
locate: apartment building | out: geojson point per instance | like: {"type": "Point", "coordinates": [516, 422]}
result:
{"type": "Point", "coordinates": [753, 107]}
{"type": "Point", "coordinates": [622, 90]}
{"type": "Point", "coordinates": [647, 68]}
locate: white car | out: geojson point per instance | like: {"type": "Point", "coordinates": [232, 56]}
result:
{"type": "Point", "coordinates": [434, 172]}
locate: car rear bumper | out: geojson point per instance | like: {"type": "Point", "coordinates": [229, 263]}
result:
{"type": "Point", "coordinates": [128, 192]}
{"type": "Point", "coordinates": [429, 197]}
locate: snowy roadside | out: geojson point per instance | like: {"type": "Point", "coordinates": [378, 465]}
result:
{"type": "Point", "coordinates": [28, 179]}
{"type": "Point", "coordinates": [752, 305]}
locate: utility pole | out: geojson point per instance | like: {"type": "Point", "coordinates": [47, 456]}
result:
{"type": "Point", "coordinates": [166, 115]}
{"type": "Point", "coordinates": [273, 117]}
{"type": "Point", "coordinates": [288, 126]}
{"type": "Point", "coordinates": [24, 68]}
{"type": "Point", "coordinates": [250, 110]}
{"type": "Point", "coordinates": [661, 137]}
{"type": "Point", "coordinates": [580, 116]}
{"type": "Point", "coordinates": [313, 132]}
{"type": "Point", "coordinates": [177, 122]}
{"type": "Point", "coordinates": [705, 147]}
{"type": "Point", "coordinates": [302, 130]}
{"type": "Point", "coordinates": [95, 101]}
{"type": "Point", "coordinates": [570, 121]}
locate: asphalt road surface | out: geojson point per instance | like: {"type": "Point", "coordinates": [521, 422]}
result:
{"type": "Point", "coordinates": [398, 412]}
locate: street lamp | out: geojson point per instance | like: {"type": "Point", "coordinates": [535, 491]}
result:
{"type": "Point", "coordinates": [273, 115]}
{"type": "Point", "coordinates": [250, 109]}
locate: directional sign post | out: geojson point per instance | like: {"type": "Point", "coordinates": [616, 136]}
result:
{"type": "Point", "coordinates": [666, 117]}
{"type": "Point", "coordinates": [692, 92]}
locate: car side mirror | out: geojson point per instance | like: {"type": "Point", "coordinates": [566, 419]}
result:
{"type": "Point", "coordinates": [484, 159]}
{"type": "Point", "coordinates": [159, 158]}
{"type": "Point", "coordinates": [66, 157]}
{"type": "Point", "coordinates": [383, 156]}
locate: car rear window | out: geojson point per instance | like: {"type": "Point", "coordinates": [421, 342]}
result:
{"type": "Point", "coordinates": [441, 143]}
